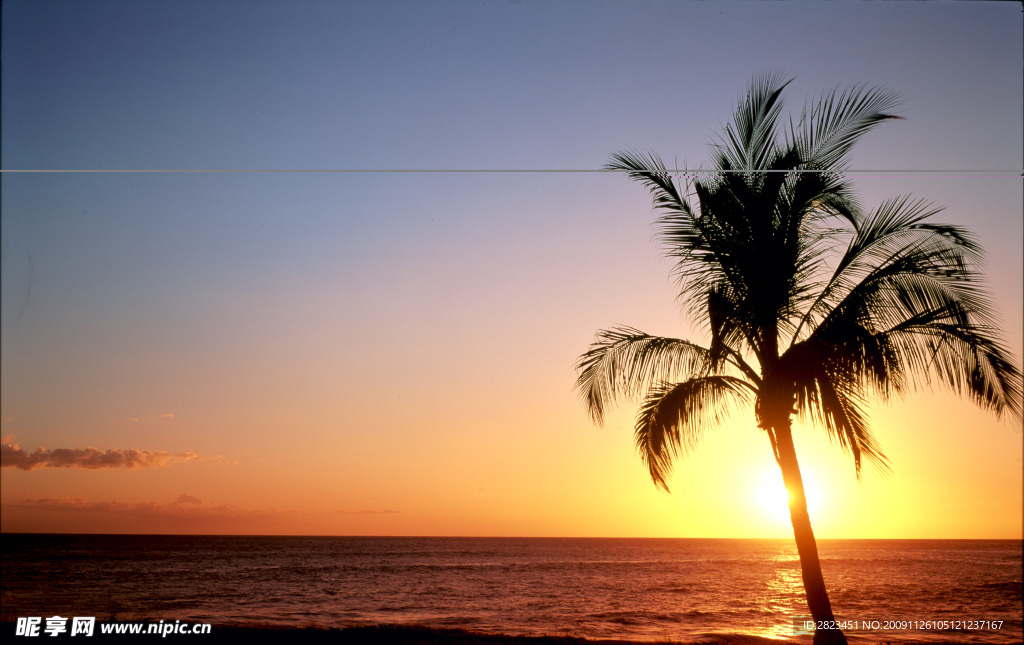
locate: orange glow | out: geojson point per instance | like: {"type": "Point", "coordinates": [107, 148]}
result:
{"type": "Point", "coordinates": [772, 496]}
{"type": "Point", "coordinates": [308, 348]}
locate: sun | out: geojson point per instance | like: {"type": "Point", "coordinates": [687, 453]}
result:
{"type": "Point", "coordinates": [772, 496]}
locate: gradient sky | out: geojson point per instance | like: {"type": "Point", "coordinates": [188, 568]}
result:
{"type": "Point", "coordinates": [392, 354]}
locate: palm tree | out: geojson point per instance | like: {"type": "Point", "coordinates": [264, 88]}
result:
{"type": "Point", "coordinates": [812, 306]}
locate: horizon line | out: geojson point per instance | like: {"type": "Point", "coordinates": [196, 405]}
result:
{"type": "Point", "coordinates": [481, 537]}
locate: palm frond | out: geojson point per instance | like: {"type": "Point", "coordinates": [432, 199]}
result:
{"type": "Point", "coordinates": [749, 140]}
{"type": "Point", "coordinates": [674, 416]}
{"type": "Point", "coordinates": [893, 245]}
{"type": "Point", "coordinates": [908, 324]}
{"type": "Point", "coordinates": [697, 244]}
{"type": "Point", "coordinates": [833, 125]}
{"type": "Point", "coordinates": [968, 358]}
{"type": "Point", "coordinates": [650, 170]}
{"type": "Point", "coordinates": [731, 331]}
{"type": "Point", "coordinates": [829, 384]}
{"type": "Point", "coordinates": [626, 362]}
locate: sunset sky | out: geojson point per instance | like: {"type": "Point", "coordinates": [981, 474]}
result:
{"type": "Point", "coordinates": [393, 353]}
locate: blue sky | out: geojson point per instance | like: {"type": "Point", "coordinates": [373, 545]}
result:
{"type": "Point", "coordinates": [365, 322]}
{"type": "Point", "coordinates": [469, 84]}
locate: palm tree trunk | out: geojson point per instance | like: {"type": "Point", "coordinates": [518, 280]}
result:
{"type": "Point", "coordinates": [810, 566]}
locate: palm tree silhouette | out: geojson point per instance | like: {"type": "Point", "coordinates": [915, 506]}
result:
{"type": "Point", "coordinates": [812, 305]}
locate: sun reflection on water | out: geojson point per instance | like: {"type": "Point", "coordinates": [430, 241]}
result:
{"type": "Point", "coordinates": [783, 596]}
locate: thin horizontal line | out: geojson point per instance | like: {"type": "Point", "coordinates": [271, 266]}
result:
{"type": "Point", "coordinates": [525, 170]}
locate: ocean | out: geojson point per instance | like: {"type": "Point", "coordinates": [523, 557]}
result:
{"type": "Point", "coordinates": [624, 589]}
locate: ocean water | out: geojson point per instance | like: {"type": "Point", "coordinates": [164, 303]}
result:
{"type": "Point", "coordinates": [630, 589]}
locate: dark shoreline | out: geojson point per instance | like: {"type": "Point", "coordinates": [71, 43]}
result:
{"type": "Point", "coordinates": [407, 635]}
{"type": "Point", "coordinates": [420, 635]}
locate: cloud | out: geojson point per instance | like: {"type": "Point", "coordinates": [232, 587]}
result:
{"type": "Point", "coordinates": [12, 456]}
{"type": "Point", "coordinates": [167, 415]}
{"type": "Point", "coordinates": [187, 499]}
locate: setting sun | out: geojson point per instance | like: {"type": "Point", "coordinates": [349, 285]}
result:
{"type": "Point", "coordinates": [772, 496]}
